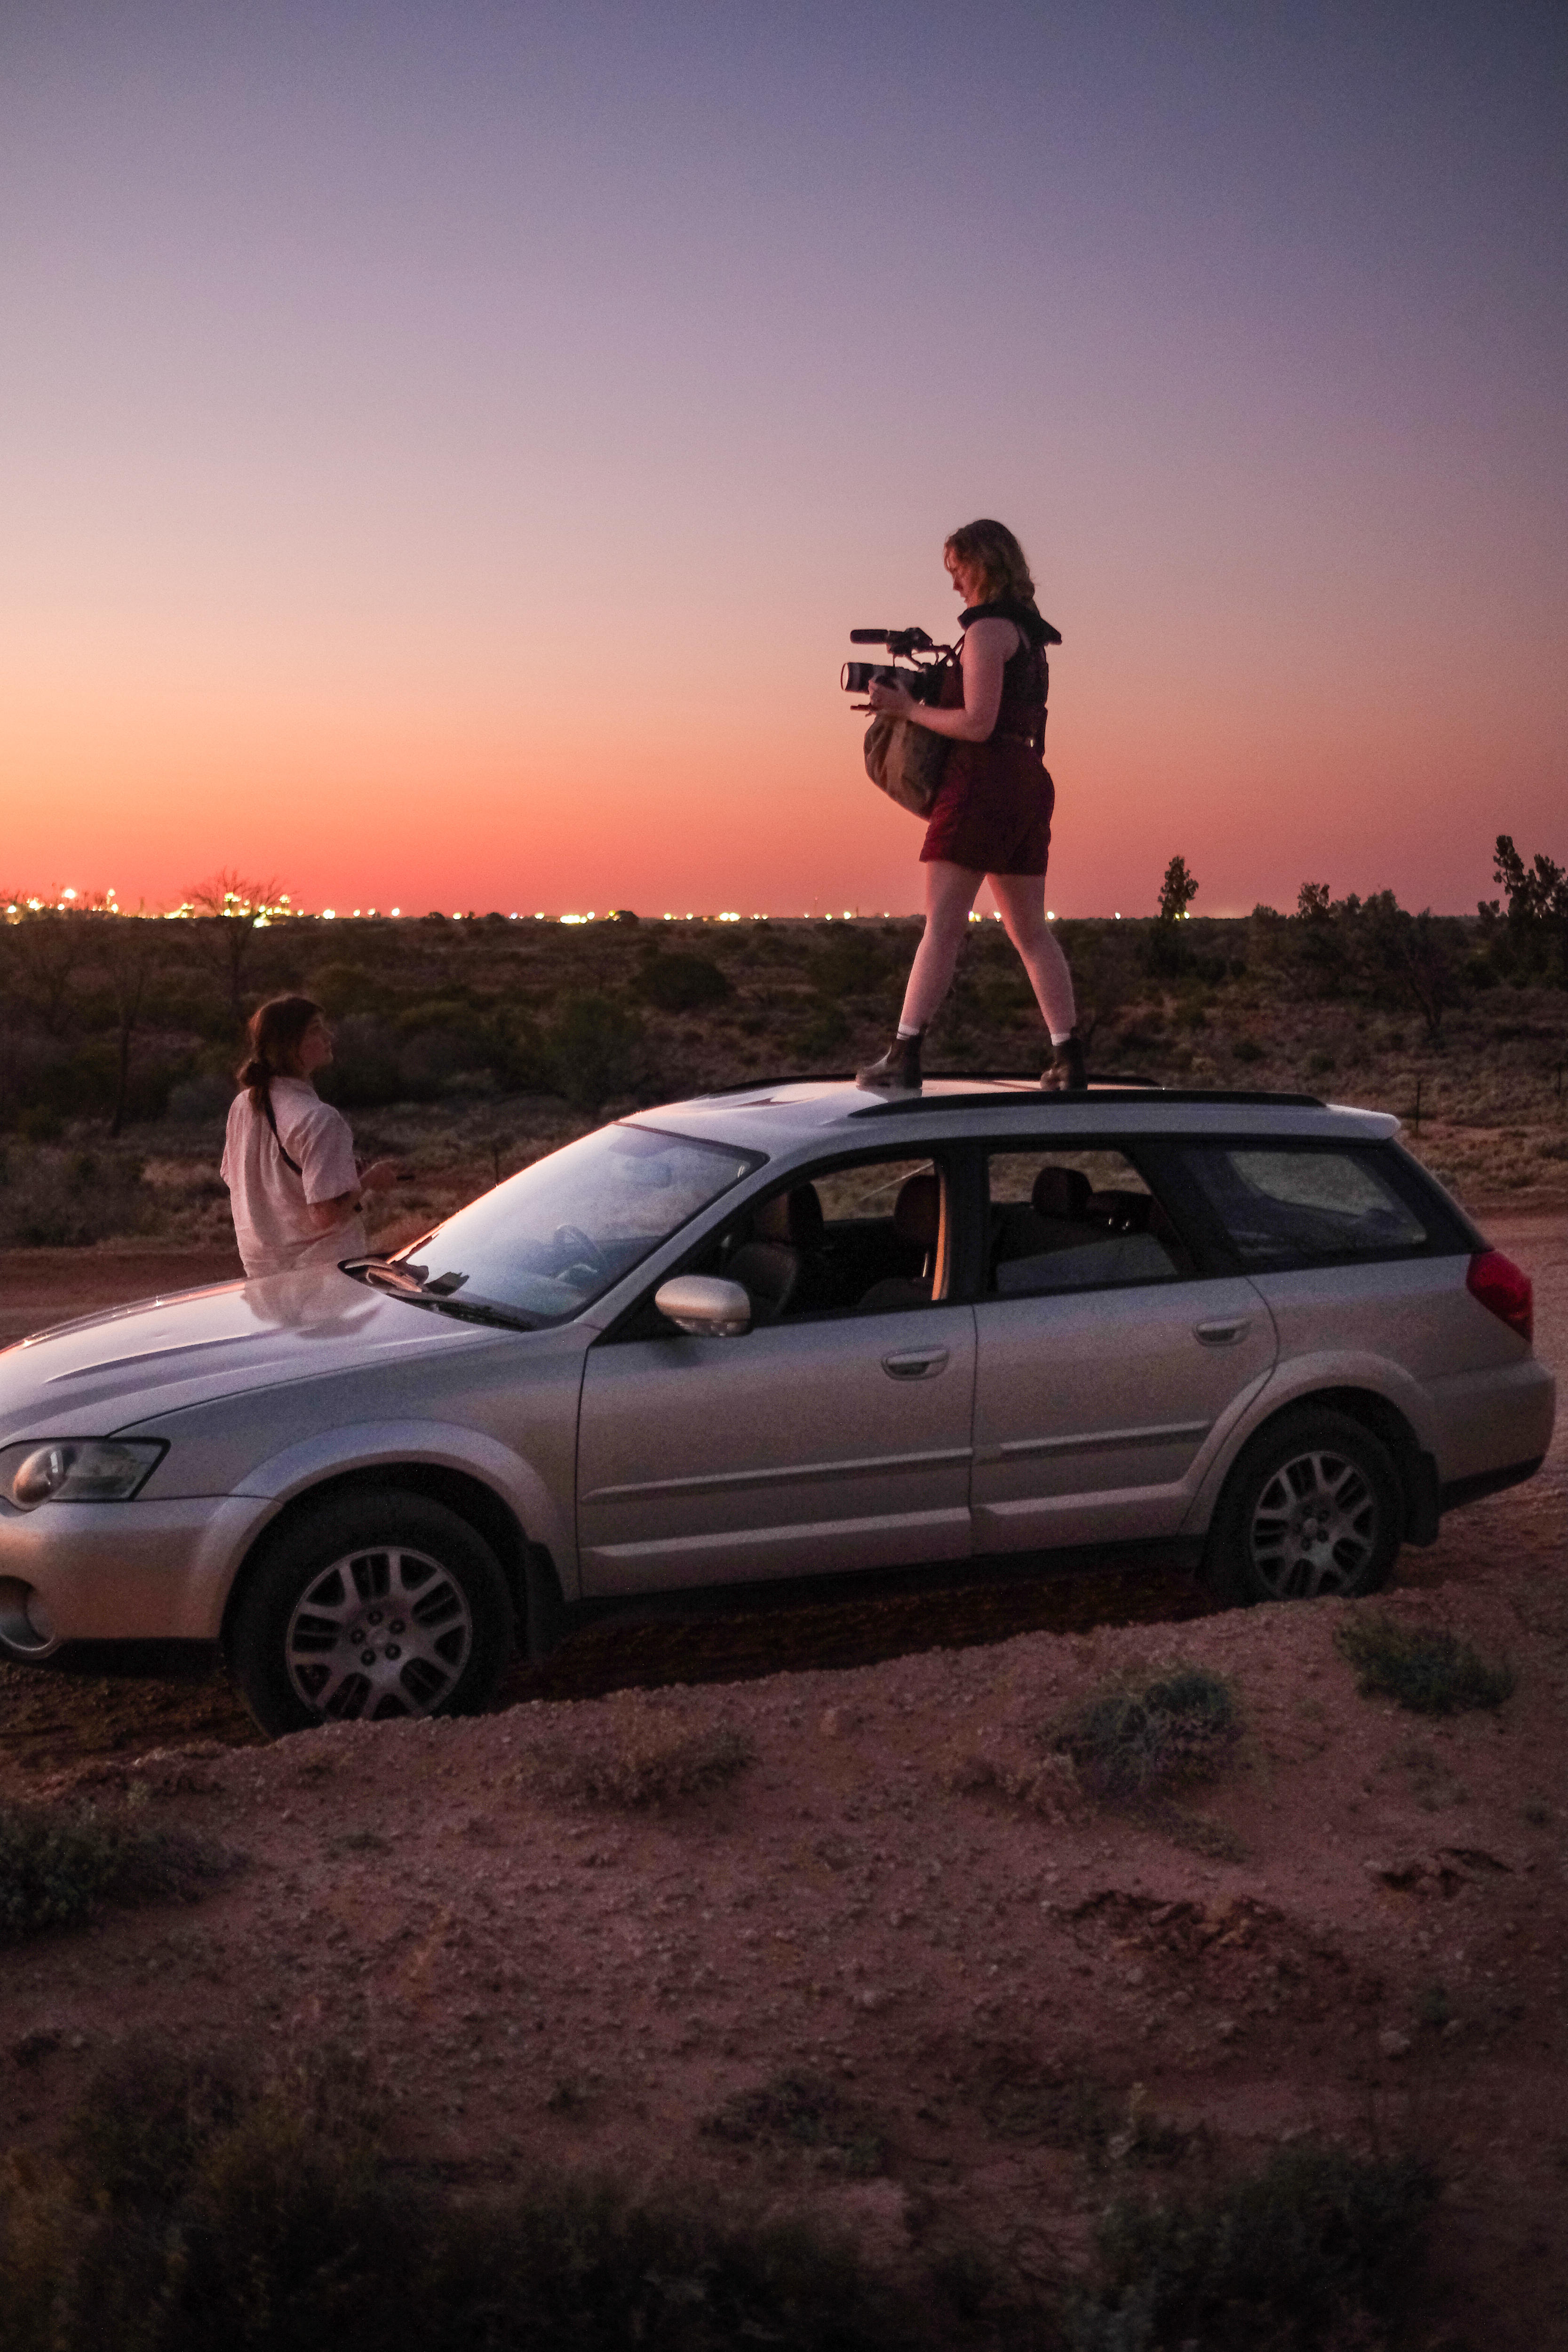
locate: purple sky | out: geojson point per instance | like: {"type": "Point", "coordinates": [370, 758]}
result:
{"type": "Point", "coordinates": [446, 447]}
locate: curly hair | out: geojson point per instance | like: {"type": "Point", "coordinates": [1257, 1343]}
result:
{"type": "Point", "coordinates": [274, 1031]}
{"type": "Point", "coordinates": [991, 549]}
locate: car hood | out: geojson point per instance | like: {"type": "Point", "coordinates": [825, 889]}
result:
{"type": "Point", "coordinates": [92, 1377]}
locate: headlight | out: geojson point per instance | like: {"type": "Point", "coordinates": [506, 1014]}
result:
{"type": "Point", "coordinates": [78, 1470]}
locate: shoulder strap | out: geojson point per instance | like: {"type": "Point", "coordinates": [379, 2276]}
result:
{"type": "Point", "coordinates": [289, 1160]}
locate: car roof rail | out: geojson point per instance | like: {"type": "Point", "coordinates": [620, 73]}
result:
{"type": "Point", "coordinates": [1103, 1092]}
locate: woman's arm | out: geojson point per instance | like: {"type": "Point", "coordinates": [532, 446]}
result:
{"type": "Point", "coordinates": [325, 1215]}
{"type": "Point", "coordinates": [987, 648]}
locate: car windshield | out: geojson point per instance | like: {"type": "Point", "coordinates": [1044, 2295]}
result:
{"type": "Point", "coordinates": [557, 1236]}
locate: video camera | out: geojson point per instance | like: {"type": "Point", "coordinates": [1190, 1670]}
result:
{"type": "Point", "coordinates": [921, 681]}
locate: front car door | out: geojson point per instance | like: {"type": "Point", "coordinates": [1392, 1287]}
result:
{"type": "Point", "coordinates": [837, 1435]}
{"type": "Point", "coordinates": [1108, 1365]}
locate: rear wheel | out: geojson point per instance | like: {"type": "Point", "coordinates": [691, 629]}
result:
{"type": "Point", "coordinates": [371, 1609]}
{"type": "Point", "coordinates": [1313, 1506]}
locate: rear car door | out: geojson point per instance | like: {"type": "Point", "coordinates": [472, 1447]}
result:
{"type": "Point", "coordinates": [835, 1435]}
{"type": "Point", "coordinates": [1108, 1362]}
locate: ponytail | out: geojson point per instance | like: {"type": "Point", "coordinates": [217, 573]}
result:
{"type": "Point", "coordinates": [273, 1034]}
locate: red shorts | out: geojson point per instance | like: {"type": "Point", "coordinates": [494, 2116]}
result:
{"type": "Point", "coordinates": [992, 814]}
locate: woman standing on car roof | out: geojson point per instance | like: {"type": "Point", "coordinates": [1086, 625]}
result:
{"type": "Point", "coordinates": [288, 1158]}
{"type": "Point", "coordinates": [992, 818]}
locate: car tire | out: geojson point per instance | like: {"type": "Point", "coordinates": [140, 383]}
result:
{"type": "Point", "coordinates": [371, 1608]}
{"type": "Point", "coordinates": [1313, 1506]}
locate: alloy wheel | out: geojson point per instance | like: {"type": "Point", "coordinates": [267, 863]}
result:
{"type": "Point", "coordinates": [1315, 1527]}
{"type": "Point", "coordinates": [380, 1633]}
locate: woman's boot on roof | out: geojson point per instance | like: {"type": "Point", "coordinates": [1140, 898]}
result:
{"type": "Point", "coordinates": [1064, 1073]}
{"type": "Point", "coordinates": [898, 1071]}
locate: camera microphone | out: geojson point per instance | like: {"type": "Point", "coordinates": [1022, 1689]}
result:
{"type": "Point", "coordinates": [870, 636]}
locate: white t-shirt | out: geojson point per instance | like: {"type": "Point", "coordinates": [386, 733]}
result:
{"type": "Point", "coordinates": [270, 1201]}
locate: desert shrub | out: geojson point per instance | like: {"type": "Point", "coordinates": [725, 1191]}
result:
{"type": "Point", "coordinates": [852, 962]}
{"type": "Point", "coordinates": [341, 988]}
{"type": "Point", "coordinates": [198, 1099]}
{"type": "Point", "coordinates": [807, 2111]}
{"type": "Point", "coordinates": [1246, 1049]}
{"type": "Point", "coordinates": [642, 1761]}
{"type": "Point", "coordinates": [592, 1050]}
{"type": "Point", "coordinates": [57, 1199]}
{"type": "Point", "coordinates": [1423, 1667]}
{"type": "Point", "coordinates": [193, 2203]}
{"type": "Point", "coordinates": [56, 1868]}
{"type": "Point", "coordinates": [681, 983]}
{"type": "Point", "coordinates": [1316, 2245]}
{"type": "Point", "coordinates": [1127, 1742]}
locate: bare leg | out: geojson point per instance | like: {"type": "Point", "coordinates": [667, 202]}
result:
{"type": "Point", "coordinates": [1022, 899]}
{"type": "Point", "coordinates": [950, 894]}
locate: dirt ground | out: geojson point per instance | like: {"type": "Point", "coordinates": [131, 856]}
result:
{"type": "Point", "coordinates": [1010, 2003]}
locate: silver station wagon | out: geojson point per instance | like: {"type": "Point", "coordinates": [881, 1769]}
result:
{"type": "Point", "coordinates": [789, 1331]}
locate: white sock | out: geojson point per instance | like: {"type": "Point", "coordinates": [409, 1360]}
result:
{"type": "Point", "coordinates": [904, 1033]}
{"type": "Point", "coordinates": [1054, 1039]}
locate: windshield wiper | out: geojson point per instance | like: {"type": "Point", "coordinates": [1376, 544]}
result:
{"type": "Point", "coordinates": [398, 1283]}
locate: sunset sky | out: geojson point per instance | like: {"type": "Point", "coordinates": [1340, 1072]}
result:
{"type": "Point", "coordinates": [445, 446]}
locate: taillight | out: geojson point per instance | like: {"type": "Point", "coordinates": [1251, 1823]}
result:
{"type": "Point", "coordinates": [1503, 1290]}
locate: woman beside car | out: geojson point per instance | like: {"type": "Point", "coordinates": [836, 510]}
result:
{"type": "Point", "coordinates": [295, 1187]}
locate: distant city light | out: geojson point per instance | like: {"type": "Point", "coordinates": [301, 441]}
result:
{"type": "Point", "coordinates": [329, 914]}
{"type": "Point", "coordinates": [398, 910]}
{"type": "Point", "coordinates": [729, 919]}
{"type": "Point", "coordinates": [1050, 914]}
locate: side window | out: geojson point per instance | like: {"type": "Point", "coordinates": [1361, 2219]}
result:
{"type": "Point", "coordinates": [1075, 1220]}
{"type": "Point", "coordinates": [1287, 1205]}
{"type": "Point", "coordinates": [867, 1237]}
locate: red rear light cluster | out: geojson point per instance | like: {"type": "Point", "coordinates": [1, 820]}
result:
{"type": "Point", "coordinates": [1503, 1290]}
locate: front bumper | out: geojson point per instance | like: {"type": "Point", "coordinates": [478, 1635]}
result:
{"type": "Point", "coordinates": [129, 1571]}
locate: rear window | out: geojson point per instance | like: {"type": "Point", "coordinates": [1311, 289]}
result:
{"type": "Point", "coordinates": [1287, 1205]}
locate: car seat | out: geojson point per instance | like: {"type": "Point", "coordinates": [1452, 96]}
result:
{"type": "Point", "coordinates": [794, 1220]}
{"type": "Point", "coordinates": [917, 1219]}
{"type": "Point", "coordinates": [1056, 1218]}
{"type": "Point", "coordinates": [768, 1272]}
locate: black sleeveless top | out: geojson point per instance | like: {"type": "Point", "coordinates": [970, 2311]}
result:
{"type": "Point", "coordinates": [1025, 678]}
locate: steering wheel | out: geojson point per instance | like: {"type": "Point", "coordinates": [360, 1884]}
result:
{"type": "Point", "coordinates": [582, 1252]}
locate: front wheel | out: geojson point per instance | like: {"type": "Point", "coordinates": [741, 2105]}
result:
{"type": "Point", "coordinates": [1313, 1506]}
{"type": "Point", "coordinates": [371, 1609]}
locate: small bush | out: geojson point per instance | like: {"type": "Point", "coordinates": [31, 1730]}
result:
{"type": "Point", "coordinates": [1317, 2245]}
{"type": "Point", "coordinates": [592, 1050]}
{"type": "Point", "coordinates": [200, 1099]}
{"type": "Point", "coordinates": [56, 1868]}
{"type": "Point", "coordinates": [645, 1762]}
{"type": "Point", "coordinates": [1422, 1667]}
{"type": "Point", "coordinates": [801, 2110]}
{"type": "Point", "coordinates": [681, 983]}
{"type": "Point", "coordinates": [64, 1199]}
{"type": "Point", "coordinates": [1128, 1743]}
{"type": "Point", "coordinates": [195, 2204]}
{"type": "Point", "coordinates": [1248, 1050]}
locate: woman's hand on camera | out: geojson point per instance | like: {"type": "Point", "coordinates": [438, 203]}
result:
{"type": "Point", "coordinates": [889, 702]}
{"type": "Point", "coordinates": [379, 1177]}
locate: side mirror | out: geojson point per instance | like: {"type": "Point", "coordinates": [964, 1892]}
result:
{"type": "Point", "coordinates": [704, 1306]}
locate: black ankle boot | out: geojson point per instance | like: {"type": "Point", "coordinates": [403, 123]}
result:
{"type": "Point", "coordinates": [898, 1071]}
{"type": "Point", "coordinates": [1065, 1072]}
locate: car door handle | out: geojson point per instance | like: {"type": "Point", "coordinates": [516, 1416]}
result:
{"type": "Point", "coordinates": [1222, 1335]}
{"type": "Point", "coordinates": [916, 1364]}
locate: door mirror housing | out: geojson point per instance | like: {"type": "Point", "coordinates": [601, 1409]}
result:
{"type": "Point", "coordinates": [705, 1306]}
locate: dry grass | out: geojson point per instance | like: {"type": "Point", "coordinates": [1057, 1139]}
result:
{"type": "Point", "coordinates": [648, 1762]}
{"type": "Point", "coordinates": [197, 2202]}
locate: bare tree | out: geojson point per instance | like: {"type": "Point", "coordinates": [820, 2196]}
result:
{"type": "Point", "coordinates": [236, 909]}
